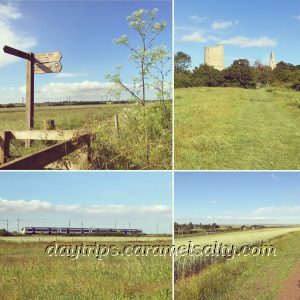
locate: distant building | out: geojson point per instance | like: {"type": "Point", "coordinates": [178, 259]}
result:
{"type": "Point", "coordinates": [272, 63]}
{"type": "Point", "coordinates": [214, 57]}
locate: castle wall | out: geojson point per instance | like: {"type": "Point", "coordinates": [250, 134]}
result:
{"type": "Point", "coordinates": [214, 56]}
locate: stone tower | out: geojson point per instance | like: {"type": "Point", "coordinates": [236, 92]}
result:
{"type": "Point", "coordinates": [272, 61]}
{"type": "Point", "coordinates": [214, 57]}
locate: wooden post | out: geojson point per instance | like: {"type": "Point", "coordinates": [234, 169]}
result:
{"type": "Point", "coordinates": [4, 146]}
{"type": "Point", "coordinates": [117, 128]}
{"type": "Point", "coordinates": [29, 121]}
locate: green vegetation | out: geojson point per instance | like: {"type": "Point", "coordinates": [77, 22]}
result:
{"type": "Point", "coordinates": [234, 128]}
{"type": "Point", "coordinates": [26, 272]}
{"type": "Point", "coordinates": [127, 149]}
{"type": "Point", "coordinates": [245, 277]}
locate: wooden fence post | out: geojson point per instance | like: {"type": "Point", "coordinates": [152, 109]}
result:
{"type": "Point", "coordinates": [4, 146]}
{"type": "Point", "coordinates": [29, 95]}
{"type": "Point", "coordinates": [117, 128]}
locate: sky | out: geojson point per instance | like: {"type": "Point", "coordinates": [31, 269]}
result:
{"type": "Point", "coordinates": [98, 199]}
{"type": "Point", "coordinates": [237, 197]}
{"type": "Point", "coordinates": [248, 29]}
{"type": "Point", "coordinates": [83, 31]}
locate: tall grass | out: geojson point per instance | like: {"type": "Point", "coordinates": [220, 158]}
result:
{"type": "Point", "coordinates": [233, 128]}
{"type": "Point", "coordinates": [26, 272]}
{"type": "Point", "coordinates": [245, 277]}
{"type": "Point", "coordinates": [144, 139]}
{"type": "Point", "coordinates": [185, 266]}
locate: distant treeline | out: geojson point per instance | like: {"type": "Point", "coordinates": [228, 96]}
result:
{"type": "Point", "coordinates": [65, 103]}
{"type": "Point", "coordinates": [190, 228]}
{"type": "Point", "coordinates": [239, 74]}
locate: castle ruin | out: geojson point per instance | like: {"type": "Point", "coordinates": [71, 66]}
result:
{"type": "Point", "coordinates": [214, 57]}
{"type": "Point", "coordinates": [272, 63]}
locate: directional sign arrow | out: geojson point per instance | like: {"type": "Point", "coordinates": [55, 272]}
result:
{"type": "Point", "coordinates": [50, 67]}
{"type": "Point", "coordinates": [48, 57]}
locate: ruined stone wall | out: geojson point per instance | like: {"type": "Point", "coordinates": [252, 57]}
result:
{"type": "Point", "coordinates": [214, 56]}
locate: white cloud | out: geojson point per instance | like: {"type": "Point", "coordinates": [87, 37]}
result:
{"type": "Point", "coordinates": [9, 12]}
{"type": "Point", "coordinates": [297, 17]}
{"type": "Point", "coordinates": [38, 206]}
{"type": "Point", "coordinates": [274, 177]}
{"type": "Point", "coordinates": [223, 24]}
{"type": "Point", "coordinates": [198, 19]}
{"type": "Point", "coordinates": [60, 91]}
{"type": "Point", "coordinates": [69, 75]}
{"type": "Point", "coordinates": [8, 35]}
{"type": "Point", "coordinates": [281, 212]}
{"type": "Point", "coordinates": [197, 37]}
{"type": "Point", "coordinates": [214, 201]}
{"type": "Point", "coordinates": [245, 42]}
{"type": "Point", "coordinates": [83, 90]}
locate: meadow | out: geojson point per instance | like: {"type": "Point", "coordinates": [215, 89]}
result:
{"type": "Point", "coordinates": [26, 272]}
{"type": "Point", "coordinates": [66, 117]}
{"type": "Point", "coordinates": [235, 128]}
{"type": "Point", "coordinates": [241, 277]}
{"type": "Point", "coordinates": [143, 141]}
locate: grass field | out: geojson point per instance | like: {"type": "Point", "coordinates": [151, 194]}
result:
{"type": "Point", "coordinates": [233, 128]}
{"type": "Point", "coordinates": [66, 117]}
{"type": "Point", "coordinates": [26, 272]}
{"type": "Point", "coordinates": [245, 277]}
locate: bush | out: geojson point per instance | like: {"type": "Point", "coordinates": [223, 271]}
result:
{"type": "Point", "coordinates": [144, 140]}
{"type": "Point", "coordinates": [296, 85]}
{"type": "Point", "coordinates": [4, 232]}
{"type": "Point", "coordinates": [207, 76]}
{"type": "Point", "coordinates": [182, 80]}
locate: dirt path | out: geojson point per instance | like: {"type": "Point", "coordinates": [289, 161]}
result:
{"type": "Point", "coordinates": [291, 288]}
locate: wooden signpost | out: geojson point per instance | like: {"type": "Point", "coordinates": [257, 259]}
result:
{"type": "Point", "coordinates": [40, 63]}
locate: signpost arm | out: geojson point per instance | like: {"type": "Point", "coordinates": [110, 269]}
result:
{"type": "Point", "coordinates": [29, 121]}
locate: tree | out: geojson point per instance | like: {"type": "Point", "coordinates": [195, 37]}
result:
{"type": "Point", "coordinates": [239, 74]}
{"type": "Point", "coordinates": [182, 62]}
{"type": "Point", "coordinates": [284, 73]}
{"type": "Point", "coordinates": [205, 75]}
{"type": "Point", "coordinates": [182, 80]}
{"type": "Point", "coordinates": [144, 56]}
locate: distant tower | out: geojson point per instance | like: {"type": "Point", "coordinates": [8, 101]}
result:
{"type": "Point", "coordinates": [214, 57]}
{"type": "Point", "coordinates": [272, 61]}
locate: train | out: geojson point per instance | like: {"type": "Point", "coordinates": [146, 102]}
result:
{"type": "Point", "coordinates": [79, 231]}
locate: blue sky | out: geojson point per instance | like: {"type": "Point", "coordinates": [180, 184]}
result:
{"type": "Point", "coordinates": [237, 197]}
{"type": "Point", "coordinates": [96, 198]}
{"type": "Point", "coordinates": [83, 31]}
{"type": "Point", "coordinates": [248, 29]}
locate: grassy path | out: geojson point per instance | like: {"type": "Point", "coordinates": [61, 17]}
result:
{"type": "Point", "coordinates": [218, 128]}
{"type": "Point", "coordinates": [245, 277]}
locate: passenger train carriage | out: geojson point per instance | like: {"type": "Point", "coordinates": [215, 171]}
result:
{"type": "Point", "coordinates": [79, 231]}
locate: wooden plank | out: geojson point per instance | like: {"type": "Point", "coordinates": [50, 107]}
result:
{"type": "Point", "coordinates": [50, 135]}
{"type": "Point", "coordinates": [48, 57]}
{"type": "Point", "coordinates": [4, 146]}
{"type": "Point", "coordinates": [16, 52]}
{"type": "Point", "coordinates": [50, 67]}
{"type": "Point", "coordinates": [40, 159]}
